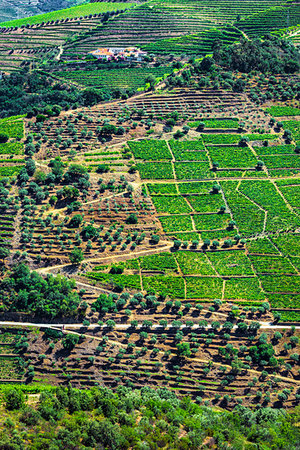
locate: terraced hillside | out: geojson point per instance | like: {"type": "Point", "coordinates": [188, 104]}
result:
{"type": "Point", "coordinates": [196, 44]}
{"type": "Point", "coordinates": [150, 238]}
{"type": "Point", "coordinates": [42, 40]}
{"type": "Point", "coordinates": [270, 20]}
{"type": "Point", "coordinates": [72, 33]}
{"type": "Point", "coordinates": [154, 21]}
{"type": "Point", "coordinates": [17, 9]}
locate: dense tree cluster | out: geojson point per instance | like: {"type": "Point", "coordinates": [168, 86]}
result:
{"type": "Point", "coordinates": [258, 60]}
{"type": "Point", "coordinates": [68, 418]}
{"type": "Point", "coordinates": [38, 95]}
{"type": "Point", "coordinates": [268, 55]}
{"type": "Point", "coordinates": [23, 290]}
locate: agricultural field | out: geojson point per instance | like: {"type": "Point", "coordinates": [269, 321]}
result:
{"type": "Point", "coordinates": [69, 13]}
{"type": "Point", "coordinates": [216, 123]}
{"type": "Point", "coordinates": [123, 78]}
{"type": "Point", "coordinates": [12, 148]}
{"type": "Point", "coordinates": [195, 44]}
{"type": "Point", "coordinates": [154, 232]}
{"type": "Point", "coordinates": [279, 111]}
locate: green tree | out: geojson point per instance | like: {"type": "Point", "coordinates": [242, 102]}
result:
{"type": "Point", "coordinates": [70, 341]}
{"type": "Point", "coordinates": [76, 256]}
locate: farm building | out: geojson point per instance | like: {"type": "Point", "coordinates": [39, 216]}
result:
{"type": "Point", "coordinates": [118, 53]}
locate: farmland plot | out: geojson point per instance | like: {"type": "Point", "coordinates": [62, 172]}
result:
{"type": "Point", "coordinates": [176, 223]}
{"type": "Point", "coordinates": [229, 157]}
{"type": "Point", "coordinates": [243, 289]}
{"type": "Point", "coordinates": [272, 264]}
{"type": "Point", "coordinates": [266, 195]}
{"type": "Point", "coordinates": [150, 150]}
{"type": "Point", "coordinates": [262, 246]}
{"type": "Point", "coordinates": [231, 263]}
{"type": "Point", "coordinates": [171, 204]}
{"type": "Point", "coordinates": [162, 261]}
{"type": "Point", "coordinates": [193, 263]}
{"type": "Point", "coordinates": [204, 222]}
{"type": "Point", "coordinates": [203, 288]}
{"type": "Point", "coordinates": [192, 170]}
{"type": "Point", "coordinates": [171, 286]}
{"type": "Point", "coordinates": [153, 171]}
{"type": "Point", "coordinates": [206, 202]}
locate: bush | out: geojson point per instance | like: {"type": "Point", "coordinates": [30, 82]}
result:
{"type": "Point", "coordinates": [3, 137]}
{"type": "Point", "coordinates": [14, 399]}
{"type": "Point", "coordinates": [132, 219]}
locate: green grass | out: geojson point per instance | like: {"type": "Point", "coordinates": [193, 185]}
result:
{"type": "Point", "coordinates": [230, 263]}
{"type": "Point", "coordinates": [75, 11]}
{"type": "Point", "coordinates": [154, 171]}
{"type": "Point", "coordinates": [150, 150]}
{"type": "Point", "coordinates": [203, 288]}
{"type": "Point", "coordinates": [176, 223]}
{"type": "Point", "coordinates": [194, 263]}
{"type": "Point", "coordinates": [170, 204]}
{"type": "Point", "coordinates": [243, 288]}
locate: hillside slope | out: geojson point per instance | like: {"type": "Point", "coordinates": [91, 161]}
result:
{"type": "Point", "coordinates": [17, 9]}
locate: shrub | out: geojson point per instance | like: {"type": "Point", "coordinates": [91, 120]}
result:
{"type": "Point", "coordinates": [14, 399]}
{"type": "Point", "coordinates": [3, 137]}
{"type": "Point", "coordinates": [132, 219]}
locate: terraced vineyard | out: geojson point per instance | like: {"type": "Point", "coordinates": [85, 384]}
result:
{"type": "Point", "coordinates": [69, 13]}
{"type": "Point", "coordinates": [196, 44]}
{"type": "Point", "coordinates": [272, 19]}
{"type": "Point", "coordinates": [158, 20]}
{"type": "Point", "coordinates": [150, 237]}
{"type": "Point", "coordinates": [123, 78]}
{"type": "Point", "coordinates": [11, 151]}
{"type": "Point", "coordinates": [43, 39]}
